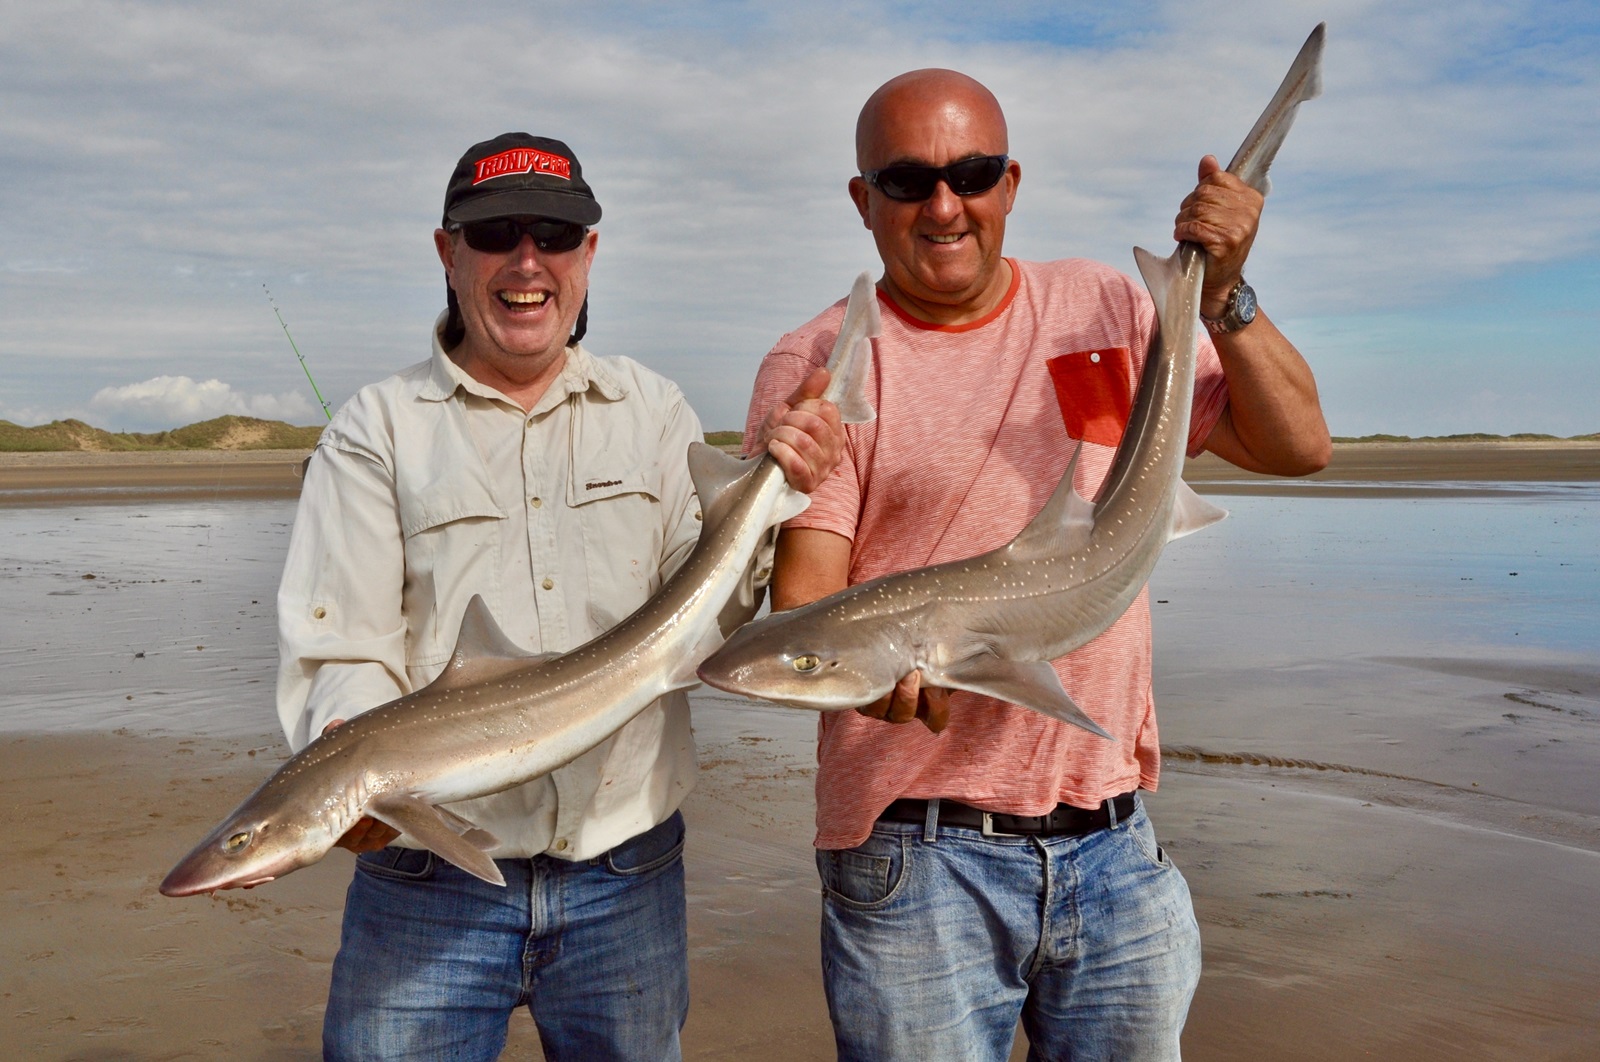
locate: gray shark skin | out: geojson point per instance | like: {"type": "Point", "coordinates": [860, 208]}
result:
{"type": "Point", "coordinates": [498, 716]}
{"type": "Point", "coordinates": [992, 623]}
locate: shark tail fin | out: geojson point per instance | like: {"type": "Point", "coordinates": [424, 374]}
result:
{"type": "Point", "coordinates": [852, 353]}
{"type": "Point", "coordinates": [1303, 82]}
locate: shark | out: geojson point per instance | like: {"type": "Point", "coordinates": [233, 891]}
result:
{"type": "Point", "coordinates": [991, 624]}
{"type": "Point", "coordinates": [497, 715]}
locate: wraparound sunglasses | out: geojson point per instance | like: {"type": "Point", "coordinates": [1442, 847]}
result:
{"type": "Point", "coordinates": [913, 184]}
{"type": "Point", "coordinates": [499, 235]}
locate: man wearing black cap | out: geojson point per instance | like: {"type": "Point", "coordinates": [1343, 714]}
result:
{"type": "Point", "coordinates": [515, 465]}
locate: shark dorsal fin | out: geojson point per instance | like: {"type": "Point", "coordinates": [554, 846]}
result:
{"type": "Point", "coordinates": [1062, 526]}
{"type": "Point", "coordinates": [714, 473]}
{"type": "Point", "coordinates": [482, 650]}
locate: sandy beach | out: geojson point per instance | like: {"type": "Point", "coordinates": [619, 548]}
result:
{"type": "Point", "coordinates": [1433, 899]}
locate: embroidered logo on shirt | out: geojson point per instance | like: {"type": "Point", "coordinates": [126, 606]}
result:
{"type": "Point", "coordinates": [607, 483]}
{"type": "Point", "coordinates": [522, 160]}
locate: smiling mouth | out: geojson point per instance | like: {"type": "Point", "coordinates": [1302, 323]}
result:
{"type": "Point", "coordinates": [950, 237]}
{"type": "Point", "coordinates": [518, 300]}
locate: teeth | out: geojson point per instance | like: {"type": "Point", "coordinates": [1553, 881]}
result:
{"type": "Point", "coordinates": [524, 298]}
{"type": "Point", "coordinates": [952, 238]}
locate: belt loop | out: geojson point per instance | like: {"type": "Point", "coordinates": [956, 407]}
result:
{"type": "Point", "coordinates": [930, 823]}
{"type": "Point", "coordinates": [1111, 813]}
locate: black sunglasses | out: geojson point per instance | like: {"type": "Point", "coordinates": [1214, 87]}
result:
{"type": "Point", "coordinates": [499, 235]}
{"type": "Point", "coordinates": [913, 184]}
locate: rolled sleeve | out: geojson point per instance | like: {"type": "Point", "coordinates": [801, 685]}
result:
{"type": "Point", "coordinates": [341, 636]}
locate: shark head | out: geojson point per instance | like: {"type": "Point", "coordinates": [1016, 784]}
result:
{"type": "Point", "coordinates": [790, 659]}
{"type": "Point", "coordinates": [262, 840]}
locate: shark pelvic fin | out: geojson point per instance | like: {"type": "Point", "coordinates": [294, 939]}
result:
{"type": "Point", "coordinates": [1030, 683]}
{"type": "Point", "coordinates": [428, 826]}
{"type": "Point", "coordinates": [483, 651]}
{"type": "Point", "coordinates": [1063, 525]}
{"type": "Point", "coordinates": [1191, 513]}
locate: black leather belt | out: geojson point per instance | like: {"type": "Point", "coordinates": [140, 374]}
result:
{"type": "Point", "coordinates": [1064, 821]}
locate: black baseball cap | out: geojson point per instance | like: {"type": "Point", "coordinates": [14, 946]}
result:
{"type": "Point", "coordinates": [516, 174]}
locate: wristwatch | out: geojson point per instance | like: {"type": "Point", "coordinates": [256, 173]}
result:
{"type": "Point", "coordinates": [1240, 311]}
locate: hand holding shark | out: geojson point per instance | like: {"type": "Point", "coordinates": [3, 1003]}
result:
{"type": "Point", "coordinates": [991, 624]}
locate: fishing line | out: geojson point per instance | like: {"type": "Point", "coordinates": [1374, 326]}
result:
{"type": "Point", "coordinates": [295, 347]}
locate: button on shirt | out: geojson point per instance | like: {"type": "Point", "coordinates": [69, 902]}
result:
{"type": "Point", "coordinates": [428, 488]}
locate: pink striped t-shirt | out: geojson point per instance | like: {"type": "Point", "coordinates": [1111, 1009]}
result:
{"type": "Point", "coordinates": [971, 438]}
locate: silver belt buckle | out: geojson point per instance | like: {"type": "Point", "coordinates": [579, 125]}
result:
{"type": "Point", "coordinates": [988, 827]}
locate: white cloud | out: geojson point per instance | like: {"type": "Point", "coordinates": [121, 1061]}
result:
{"type": "Point", "coordinates": [174, 401]}
{"type": "Point", "coordinates": [206, 148]}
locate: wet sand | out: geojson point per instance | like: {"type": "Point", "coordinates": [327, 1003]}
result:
{"type": "Point", "coordinates": [1357, 469]}
{"type": "Point", "coordinates": [69, 478]}
{"type": "Point", "coordinates": [1383, 912]}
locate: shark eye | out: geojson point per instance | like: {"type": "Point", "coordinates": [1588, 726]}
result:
{"type": "Point", "coordinates": [237, 843]}
{"type": "Point", "coordinates": [805, 663]}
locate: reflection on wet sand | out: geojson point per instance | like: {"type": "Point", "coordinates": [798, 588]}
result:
{"type": "Point", "coordinates": [1381, 782]}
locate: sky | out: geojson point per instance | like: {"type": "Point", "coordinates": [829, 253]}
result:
{"type": "Point", "coordinates": [1431, 244]}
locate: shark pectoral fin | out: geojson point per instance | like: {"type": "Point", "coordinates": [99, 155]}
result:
{"type": "Point", "coordinates": [469, 830]}
{"type": "Point", "coordinates": [1030, 683]}
{"type": "Point", "coordinates": [428, 826]}
{"type": "Point", "coordinates": [1191, 513]}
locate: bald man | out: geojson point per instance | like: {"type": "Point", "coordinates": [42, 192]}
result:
{"type": "Point", "coordinates": [992, 864]}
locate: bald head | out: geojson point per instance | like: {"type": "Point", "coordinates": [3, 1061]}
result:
{"type": "Point", "coordinates": [940, 101]}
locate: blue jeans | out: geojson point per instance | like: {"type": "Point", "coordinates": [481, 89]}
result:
{"type": "Point", "coordinates": [935, 942]}
{"type": "Point", "coordinates": [432, 961]}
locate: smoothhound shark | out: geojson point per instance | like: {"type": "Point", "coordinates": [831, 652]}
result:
{"type": "Point", "coordinates": [992, 623]}
{"type": "Point", "coordinates": [498, 716]}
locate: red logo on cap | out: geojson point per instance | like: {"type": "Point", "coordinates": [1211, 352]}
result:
{"type": "Point", "coordinates": [522, 160]}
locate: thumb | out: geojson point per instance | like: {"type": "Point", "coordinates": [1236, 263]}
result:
{"type": "Point", "coordinates": [811, 387]}
{"type": "Point", "coordinates": [1208, 166]}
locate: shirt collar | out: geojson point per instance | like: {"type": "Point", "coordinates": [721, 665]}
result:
{"type": "Point", "coordinates": [581, 372]}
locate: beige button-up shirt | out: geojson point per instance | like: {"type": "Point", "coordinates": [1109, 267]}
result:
{"type": "Point", "coordinates": [429, 487]}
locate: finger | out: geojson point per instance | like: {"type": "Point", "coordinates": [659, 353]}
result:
{"type": "Point", "coordinates": [878, 708]}
{"type": "Point", "coordinates": [933, 708]}
{"type": "Point", "coordinates": [807, 446]}
{"type": "Point", "coordinates": [811, 387]}
{"type": "Point", "coordinates": [903, 701]}
{"type": "Point", "coordinates": [1208, 166]}
{"type": "Point", "coordinates": [333, 724]}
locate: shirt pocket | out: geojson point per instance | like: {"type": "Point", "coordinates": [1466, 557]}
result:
{"type": "Point", "coordinates": [451, 531]}
{"type": "Point", "coordinates": [620, 514]}
{"type": "Point", "coordinates": [1094, 389]}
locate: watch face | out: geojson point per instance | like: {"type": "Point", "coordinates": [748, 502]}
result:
{"type": "Point", "coordinates": [1244, 303]}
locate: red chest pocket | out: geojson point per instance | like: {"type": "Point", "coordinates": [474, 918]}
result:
{"type": "Point", "coordinates": [1094, 389]}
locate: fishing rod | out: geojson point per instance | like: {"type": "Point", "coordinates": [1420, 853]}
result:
{"type": "Point", "coordinates": [297, 353]}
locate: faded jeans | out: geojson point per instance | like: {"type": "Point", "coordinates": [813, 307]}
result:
{"type": "Point", "coordinates": [935, 942]}
{"type": "Point", "coordinates": [432, 961]}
